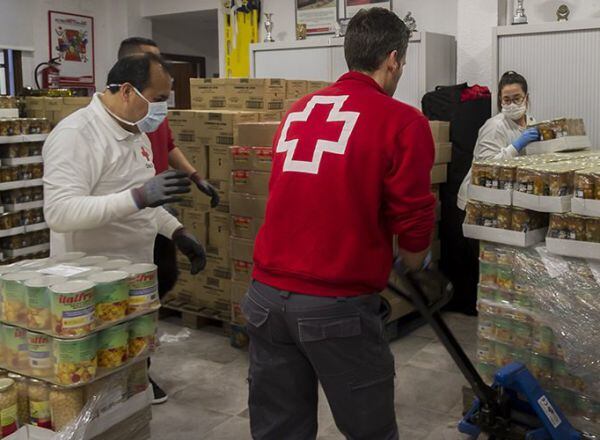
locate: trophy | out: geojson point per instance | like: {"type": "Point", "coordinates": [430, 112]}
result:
{"type": "Point", "coordinates": [562, 13]}
{"type": "Point", "coordinates": [410, 22]}
{"type": "Point", "coordinates": [520, 17]}
{"type": "Point", "coordinates": [269, 28]}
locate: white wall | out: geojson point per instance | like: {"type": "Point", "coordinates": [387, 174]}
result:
{"type": "Point", "coordinates": [114, 20]}
{"type": "Point", "coordinates": [189, 34]}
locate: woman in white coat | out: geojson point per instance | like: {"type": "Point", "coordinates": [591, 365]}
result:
{"type": "Point", "coordinates": [506, 134]}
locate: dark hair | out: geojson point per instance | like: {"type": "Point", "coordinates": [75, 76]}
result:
{"type": "Point", "coordinates": [508, 79]}
{"type": "Point", "coordinates": [372, 34]}
{"type": "Point", "coordinates": [131, 46]}
{"type": "Point", "coordinates": [135, 70]}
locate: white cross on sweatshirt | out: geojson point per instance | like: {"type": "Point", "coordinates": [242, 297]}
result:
{"type": "Point", "coordinates": [91, 164]}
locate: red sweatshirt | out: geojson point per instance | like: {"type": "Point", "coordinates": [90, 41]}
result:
{"type": "Point", "coordinates": [351, 167]}
{"type": "Point", "coordinates": [162, 143]}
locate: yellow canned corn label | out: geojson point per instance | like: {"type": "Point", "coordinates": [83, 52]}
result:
{"type": "Point", "coordinates": [39, 413]}
{"type": "Point", "coordinates": [8, 420]}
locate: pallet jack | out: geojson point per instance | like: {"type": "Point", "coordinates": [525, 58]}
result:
{"type": "Point", "coordinates": [515, 407]}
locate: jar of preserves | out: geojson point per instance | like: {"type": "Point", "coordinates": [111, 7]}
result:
{"type": "Point", "coordinates": [506, 177]}
{"type": "Point", "coordinates": [559, 226]}
{"type": "Point", "coordinates": [65, 405]}
{"type": "Point", "coordinates": [21, 384]}
{"type": "Point", "coordinates": [473, 215]}
{"type": "Point", "coordinates": [489, 216]}
{"type": "Point", "coordinates": [504, 217]}
{"type": "Point", "coordinates": [26, 126]}
{"type": "Point", "coordinates": [592, 230]}
{"type": "Point", "coordinates": [577, 227]}
{"type": "Point", "coordinates": [8, 407]}
{"type": "Point", "coordinates": [39, 404]}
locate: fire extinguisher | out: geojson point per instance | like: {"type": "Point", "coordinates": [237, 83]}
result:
{"type": "Point", "coordinates": [50, 74]}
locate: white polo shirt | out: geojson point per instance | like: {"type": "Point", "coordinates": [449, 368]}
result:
{"type": "Point", "coordinates": [91, 164]}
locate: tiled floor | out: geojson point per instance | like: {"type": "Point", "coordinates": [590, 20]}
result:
{"type": "Point", "coordinates": [206, 381]}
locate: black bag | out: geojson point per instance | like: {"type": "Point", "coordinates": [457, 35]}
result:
{"type": "Point", "coordinates": [441, 104]}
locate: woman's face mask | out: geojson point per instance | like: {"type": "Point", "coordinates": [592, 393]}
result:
{"type": "Point", "coordinates": [514, 111]}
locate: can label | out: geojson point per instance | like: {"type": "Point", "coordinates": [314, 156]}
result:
{"type": "Point", "coordinates": [115, 337]}
{"type": "Point", "coordinates": [38, 297]}
{"type": "Point", "coordinates": [40, 351]}
{"type": "Point", "coordinates": [14, 291]}
{"type": "Point", "coordinates": [112, 292]}
{"type": "Point", "coordinates": [15, 339]}
{"type": "Point", "coordinates": [73, 312]}
{"type": "Point", "coordinates": [143, 326]}
{"type": "Point", "coordinates": [8, 420]}
{"type": "Point", "coordinates": [142, 297]}
{"type": "Point", "coordinates": [75, 352]}
{"type": "Point", "coordinates": [40, 414]}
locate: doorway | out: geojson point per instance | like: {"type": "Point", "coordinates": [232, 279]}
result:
{"type": "Point", "coordinates": [184, 67]}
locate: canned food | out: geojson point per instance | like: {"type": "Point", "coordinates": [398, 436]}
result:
{"type": "Point", "coordinates": [143, 287]}
{"type": "Point", "coordinates": [142, 333]}
{"type": "Point", "coordinates": [522, 337]}
{"type": "Point", "coordinates": [487, 274]}
{"type": "Point", "coordinates": [503, 353]}
{"type": "Point", "coordinates": [541, 367]}
{"type": "Point", "coordinates": [69, 256]}
{"type": "Point", "coordinates": [41, 361]}
{"type": "Point", "coordinates": [8, 407]}
{"type": "Point", "coordinates": [504, 277]}
{"type": "Point", "coordinates": [72, 306]}
{"type": "Point", "coordinates": [15, 343]}
{"type": "Point", "coordinates": [522, 355]}
{"type": "Point", "coordinates": [92, 260]}
{"type": "Point", "coordinates": [503, 329]}
{"type": "Point", "coordinates": [76, 360]}
{"type": "Point", "coordinates": [113, 346]}
{"type": "Point", "coordinates": [486, 351]}
{"type": "Point", "coordinates": [504, 217]}
{"type": "Point", "coordinates": [489, 216]}
{"type": "Point", "coordinates": [112, 295]}
{"type": "Point", "coordinates": [506, 177]}
{"type": "Point", "coordinates": [137, 381]}
{"type": "Point", "coordinates": [487, 252]}
{"type": "Point", "coordinates": [38, 301]}
{"type": "Point", "coordinates": [486, 293]}
{"type": "Point", "coordinates": [487, 372]}
{"type": "Point", "coordinates": [585, 186]}
{"type": "Point", "coordinates": [118, 264]}
{"type": "Point", "coordinates": [592, 230]}
{"type": "Point", "coordinates": [505, 255]}
{"type": "Point", "coordinates": [65, 405]}
{"type": "Point", "coordinates": [39, 404]}
{"type": "Point", "coordinates": [14, 295]}
{"type": "Point", "coordinates": [473, 213]}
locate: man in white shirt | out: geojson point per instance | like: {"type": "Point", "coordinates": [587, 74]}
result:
{"type": "Point", "coordinates": [101, 193]}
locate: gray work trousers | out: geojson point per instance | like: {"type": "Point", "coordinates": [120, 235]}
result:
{"type": "Point", "coordinates": [297, 341]}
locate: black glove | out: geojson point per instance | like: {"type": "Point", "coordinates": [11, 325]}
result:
{"type": "Point", "coordinates": [161, 189]}
{"type": "Point", "coordinates": [207, 189]}
{"type": "Point", "coordinates": [191, 248]}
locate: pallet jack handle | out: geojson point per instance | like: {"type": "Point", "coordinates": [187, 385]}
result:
{"type": "Point", "coordinates": [416, 296]}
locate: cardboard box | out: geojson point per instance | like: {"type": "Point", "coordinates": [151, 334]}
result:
{"type": "Point", "coordinates": [36, 106]}
{"type": "Point", "coordinates": [573, 248]}
{"type": "Point", "coordinates": [53, 109]}
{"type": "Point", "coordinates": [440, 131]}
{"type": "Point", "coordinates": [250, 182]}
{"type": "Point", "coordinates": [218, 256]}
{"type": "Point", "coordinates": [238, 291]}
{"type": "Point", "coordinates": [194, 201]}
{"type": "Point", "coordinates": [272, 116]}
{"type": "Point", "coordinates": [295, 89]}
{"type": "Point", "coordinates": [197, 156]}
{"type": "Point", "coordinates": [218, 229]}
{"type": "Point", "coordinates": [220, 128]}
{"type": "Point", "coordinates": [439, 174]}
{"type": "Point", "coordinates": [242, 259]}
{"type": "Point", "coordinates": [196, 222]}
{"type": "Point", "coordinates": [72, 104]}
{"type": "Point", "coordinates": [247, 205]}
{"type": "Point", "coordinates": [189, 287]}
{"type": "Point", "coordinates": [586, 207]}
{"type": "Point", "coordinates": [542, 203]}
{"type": "Point", "coordinates": [567, 143]}
{"type": "Point", "coordinates": [255, 94]}
{"type": "Point", "coordinates": [219, 162]}
{"type": "Point", "coordinates": [489, 195]}
{"type": "Point", "coordinates": [251, 158]}
{"type": "Point", "coordinates": [503, 236]}
{"type": "Point", "coordinates": [257, 134]}
{"type": "Point", "coordinates": [208, 93]}
{"type": "Point", "coordinates": [443, 152]}
{"type": "Point", "coordinates": [315, 86]}
{"type": "Point", "coordinates": [245, 227]}
{"type": "Point", "coordinates": [222, 187]}
{"type": "Point", "coordinates": [217, 295]}
{"type": "Point", "coordinates": [184, 125]}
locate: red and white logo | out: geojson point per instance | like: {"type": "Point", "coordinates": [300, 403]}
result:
{"type": "Point", "coordinates": [146, 154]}
{"type": "Point", "coordinates": [314, 132]}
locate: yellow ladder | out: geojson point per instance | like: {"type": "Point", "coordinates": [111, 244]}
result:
{"type": "Point", "coordinates": [241, 30]}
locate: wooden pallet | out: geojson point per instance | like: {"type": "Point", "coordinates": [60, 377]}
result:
{"type": "Point", "coordinates": [197, 317]}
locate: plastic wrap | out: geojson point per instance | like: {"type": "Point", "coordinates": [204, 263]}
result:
{"type": "Point", "coordinates": [504, 217]}
{"type": "Point", "coordinates": [574, 227]}
{"type": "Point", "coordinates": [544, 311]}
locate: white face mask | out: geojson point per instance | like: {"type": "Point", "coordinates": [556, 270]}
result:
{"type": "Point", "coordinates": [514, 111]}
{"type": "Point", "coordinates": [157, 112]}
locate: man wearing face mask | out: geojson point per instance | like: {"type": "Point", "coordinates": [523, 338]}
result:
{"type": "Point", "coordinates": [351, 168]}
{"type": "Point", "coordinates": [101, 194]}
{"type": "Point", "coordinates": [505, 135]}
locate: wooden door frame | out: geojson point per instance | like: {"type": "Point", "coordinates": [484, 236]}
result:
{"type": "Point", "coordinates": [198, 61]}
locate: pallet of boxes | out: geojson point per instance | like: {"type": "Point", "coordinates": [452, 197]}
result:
{"type": "Point", "coordinates": [538, 221]}
{"type": "Point", "coordinates": [76, 332]}
{"type": "Point", "coordinates": [205, 134]}
{"type": "Point", "coordinates": [401, 313]}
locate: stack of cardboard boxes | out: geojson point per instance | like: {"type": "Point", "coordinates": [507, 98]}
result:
{"type": "Point", "coordinates": [439, 173]}
{"type": "Point", "coordinates": [227, 112]}
{"type": "Point", "coordinates": [54, 108]}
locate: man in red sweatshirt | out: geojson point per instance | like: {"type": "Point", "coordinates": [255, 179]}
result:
{"type": "Point", "coordinates": [351, 168]}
